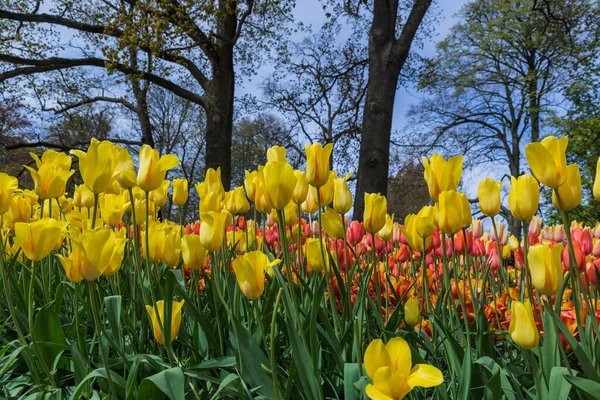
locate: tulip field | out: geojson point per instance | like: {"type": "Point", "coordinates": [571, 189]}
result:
{"type": "Point", "coordinates": [274, 294]}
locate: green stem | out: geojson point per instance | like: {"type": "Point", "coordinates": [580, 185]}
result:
{"type": "Point", "coordinates": [272, 343]}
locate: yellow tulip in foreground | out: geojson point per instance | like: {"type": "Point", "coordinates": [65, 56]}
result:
{"type": "Point", "coordinates": [90, 255]}
{"type": "Point", "coordinates": [419, 228]}
{"type": "Point", "coordinates": [280, 182]}
{"type": "Point", "coordinates": [175, 319]}
{"type": "Point", "coordinates": [83, 197]}
{"type": "Point", "coordinates": [20, 209]}
{"type": "Point", "coordinates": [180, 191]}
{"type": "Point", "coordinates": [523, 197]}
{"type": "Point", "coordinates": [489, 197]}
{"type": "Point", "coordinates": [153, 168]}
{"type": "Point", "coordinates": [37, 239]}
{"type": "Point", "coordinates": [112, 208]}
{"type": "Point", "coordinates": [546, 267]}
{"type": "Point", "coordinates": [570, 190]}
{"type": "Point", "coordinates": [8, 185]}
{"type": "Point", "coordinates": [412, 314]}
{"type": "Point", "coordinates": [375, 212]}
{"type": "Point", "coordinates": [124, 169]}
{"type": "Point", "coordinates": [548, 161]}
{"type": "Point", "coordinates": [49, 180]}
{"type": "Point", "coordinates": [160, 195]}
{"type": "Point", "coordinates": [342, 197]}
{"type": "Point", "coordinates": [192, 251]}
{"type": "Point", "coordinates": [522, 328]}
{"type": "Point", "coordinates": [314, 257]}
{"type": "Point", "coordinates": [332, 224]}
{"type": "Point", "coordinates": [97, 165]}
{"type": "Point", "coordinates": [390, 368]}
{"type": "Point", "coordinates": [454, 212]}
{"type": "Point", "coordinates": [57, 158]}
{"type": "Point", "coordinates": [441, 175]}
{"type": "Point", "coordinates": [317, 163]}
{"type": "Point", "coordinates": [114, 265]}
{"type": "Point", "coordinates": [212, 229]}
{"type": "Point", "coordinates": [276, 154]}
{"type": "Point", "coordinates": [386, 232]}
{"type": "Point", "coordinates": [250, 272]}
{"type": "Point", "coordinates": [301, 188]}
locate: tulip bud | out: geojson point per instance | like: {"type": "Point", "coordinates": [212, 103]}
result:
{"type": "Point", "coordinates": [314, 257]}
{"type": "Point", "coordinates": [332, 224]}
{"type": "Point", "coordinates": [250, 273]}
{"type": "Point", "coordinates": [523, 197]}
{"type": "Point", "coordinates": [317, 164]}
{"type": "Point", "coordinates": [569, 191]}
{"type": "Point", "coordinates": [535, 225]}
{"type": "Point", "coordinates": [356, 232]}
{"type": "Point", "coordinates": [513, 242]}
{"type": "Point", "coordinates": [522, 329]}
{"type": "Point", "coordinates": [454, 212]}
{"type": "Point", "coordinates": [477, 228]}
{"type": "Point", "coordinates": [375, 212]}
{"type": "Point", "coordinates": [548, 161]}
{"type": "Point", "coordinates": [342, 198]}
{"type": "Point", "coordinates": [559, 233]}
{"type": "Point", "coordinates": [180, 191]}
{"type": "Point", "coordinates": [153, 168]}
{"type": "Point", "coordinates": [547, 233]}
{"type": "Point", "coordinates": [301, 188]}
{"type": "Point", "coordinates": [441, 175]}
{"type": "Point", "coordinates": [412, 314]}
{"type": "Point", "coordinates": [385, 233]}
{"type": "Point", "coordinates": [546, 268]}
{"type": "Point", "coordinates": [596, 190]}
{"type": "Point", "coordinates": [175, 319]}
{"type": "Point", "coordinates": [489, 197]}
{"type": "Point", "coordinates": [596, 248]}
{"type": "Point", "coordinates": [280, 183]}
{"type": "Point", "coordinates": [276, 154]}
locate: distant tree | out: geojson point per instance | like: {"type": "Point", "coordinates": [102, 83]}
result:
{"type": "Point", "coordinates": [407, 191]}
{"type": "Point", "coordinates": [14, 126]}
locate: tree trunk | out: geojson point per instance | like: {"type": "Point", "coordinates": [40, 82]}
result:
{"type": "Point", "coordinates": [141, 101]}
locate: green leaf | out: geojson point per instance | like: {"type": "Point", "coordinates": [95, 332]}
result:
{"type": "Point", "coordinates": [50, 336]}
{"type": "Point", "coordinates": [113, 313]}
{"type": "Point", "coordinates": [559, 386]}
{"type": "Point", "coordinates": [351, 376]}
{"type": "Point", "coordinates": [100, 373]}
{"type": "Point", "coordinates": [587, 386]}
{"type": "Point", "coordinates": [170, 382]}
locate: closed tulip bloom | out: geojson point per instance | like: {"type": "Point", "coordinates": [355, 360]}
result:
{"type": "Point", "coordinates": [342, 197]}
{"type": "Point", "coordinates": [441, 175]}
{"type": "Point", "coordinates": [176, 307]}
{"type": "Point", "coordinates": [57, 158]}
{"type": "Point", "coordinates": [97, 165]}
{"type": "Point", "coordinates": [548, 161]}
{"type": "Point", "coordinates": [212, 229]}
{"type": "Point", "coordinates": [250, 273]}
{"type": "Point", "coordinates": [124, 169]}
{"type": "Point", "coordinates": [454, 212]}
{"type": "Point", "coordinates": [596, 190]}
{"type": "Point", "coordinates": [236, 201]}
{"type": "Point", "coordinates": [83, 197]}
{"type": "Point", "coordinates": [523, 197]}
{"type": "Point", "coordinates": [301, 188]}
{"type": "Point", "coordinates": [153, 168]}
{"type": "Point", "coordinates": [180, 191]}
{"type": "Point", "coordinates": [386, 232]}
{"type": "Point", "coordinates": [156, 242]}
{"type": "Point", "coordinates": [314, 258]}
{"type": "Point", "coordinates": [310, 205]}
{"type": "Point", "coordinates": [8, 185]}
{"type": "Point", "coordinates": [317, 163]}
{"type": "Point", "coordinates": [171, 249]}
{"type": "Point", "coordinates": [37, 239]}
{"type": "Point", "coordinates": [522, 328]}
{"type": "Point", "coordinates": [412, 314]}
{"type": "Point", "coordinates": [570, 190]}
{"type": "Point", "coordinates": [375, 212]}
{"type": "Point", "coordinates": [192, 251]}
{"type": "Point", "coordinates": [331, 222]}
{"type": "Point", "coordinates": [546, 268]}
{"type": "Point", "coordinates": [91, 253]}
{"type": "Point", "coordinates": [325, 192]}
{"type": "Point", "coordinates": [419, 228]}
{"type": "Point", "coordinates": [114, 265]}
{"type": "Point", "coordinates": [250, 184]}
{"type": "Point", "coordinates": [276, 154]}
{"type": "Point", "coordinates": [19, 209]}
{"type": "Point", "coordinates": [280, 183]}
{"type": "Point", "coordinates": [390, 368]}
{"type": "Point", "coordinates": [291, 214]}
{"type": "Point", "coordinates": [213, 182]}
{"type": "Point", "coordinates": [50, 180]}
{"type": "Point", "coordinates": [112, 208]}
{"type": "Point", "coordinates": [489, 197]}
{"type": "Point", "coordinates": [160, 195]}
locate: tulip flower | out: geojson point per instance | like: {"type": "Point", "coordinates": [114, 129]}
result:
{"type": "Point", "coordinates": [192, 251]}
{"type": "Point", "coordinates": [112, 208]}
{"type": "Point", "coordinates": [310, 205]}
{"type": "Point", "coordinates": [280, 183]}
{"type": "Point", "coordinates": [441, 175]}
{"type": "Point", "coordinates": [160, 195]}
{"type": "Point", "coordinates": [290, 213]}
{"type": "Point", "coordinates": [596, 189]}
{"type": "Point", "coordinates": [489, 197]}
{"type": "Point", "coordinates": [317, 163]}
{"type": "Point", "coordinates": [342, 197]}
{"type": "Point", "coordinates": [8, 185]}
{"type": "Point", "coordinates": [356, 233]}
{"type": "Point", "coordinates": [124, 169]}
{"type": "Point", "coordinates": [332, 223]}
{"type": "Point", "coordinates": [153, 168]}
{"type": "Point", "coordinates": [522, 328]}
{"type": "Point", "coordinates": [276, 154]}
{"type": "Point", "coordinates": [250, 184]}
{"type": "Point", "coordinates": [156, 242]}
{"type": "Point", "coordinates": [90, 256]}
{"type": "Point", "coordinates": [390, 368]}
{"type": "Point", "coordinates": [180, 191]}
{"type": "Point", "coordinates": [97, 165]}
{"type": "Point", "coordinates": [49, 180]}
{"type": "Point", "coordinates": [37, 239]}
{"type": "Point", "coordinates": [546, 268]}
{"type": "Point", "coordinates": [454, 212]}
{"type": "Point", "coordinates": [386, 232]}
{"type": "Point", "coordinates": [314, 257]}
{"type": "Point", "coordinates": [114, 265]}
{"type": "Point", "coordinates": [50, 156]}
{"type": "Point", "coordinates": [570, 190]}
{"type": "Point", "coordinates": [301, 188]}
{"type": "Point", "coordinates": [419, 228]}
{"type": "Point", "coordinates": [175, 319]}
{"type": "Point", "coordinates": [19, 209]}
{"type": "Point", "coordinates": [523, 197]}
{"type": "Point", "coordinates": [212, 229]}
{"type": "Point", "coordinates": [375, 212]}
{"type": "Point", "coordinates": [171, 249]}
{"type": "Point", "coordinates": [262, 201]}
{"type": "Point", "coordinates": [548, 161]}
{"type": "Point", "coordinates": [250, 273]}
{"type": "Point", "coordinates": [83, 197]}
{"type": "Point", "coordinates": [412, 314]}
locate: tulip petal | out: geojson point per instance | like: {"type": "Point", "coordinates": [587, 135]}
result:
{"type": "Point", "coordinates": [424, 375]}
{"type": "Point", "coordinates": [375, 394]}
{"type": "Point", "coordinates": [400, 356]}
{"type": "Point", "coordinates": [540, 162]}
{"type": "Point", "coordinates": [376, 356]}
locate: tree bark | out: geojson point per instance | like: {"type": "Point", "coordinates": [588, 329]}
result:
{"type": "Point", "coordinates": [387, 56]}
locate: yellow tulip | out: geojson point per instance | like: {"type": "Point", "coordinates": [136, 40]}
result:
{"type": "Point", "coordinates": [317, 164]}
{"type": "Point", "coordinates": [390, 368]}
{"type": "Point", "coordinates": [19, 209]}
{"type": "Point", "coordinates": [596, 190]}
{"type": "Point", "coordinates": [192, 251]}
{"type": "Point", "coordinates": [37, 239]}
{"type": "Point", "coordinates": [280, 183]}
{"type": "Point", "coordinates": [570, 190]}
{"type": "Point", "coordinates": [310, 205]}
{"type": "Point", "coordinates": [153, 168]}
{"type": "Point", "coordinates": [211, 191]}
{"type": "Point", "coordinates": [250, 184]}
{"type": "Point", "coordinates": [548, 161]}
{"type": "Point", "coordinates": [212, 229]}
{"type": "Point", "coordinates": [57, 158]}
{"type": "Point", "coordinates": [171, 249]}
{"type": "Point", "coordinates": [546, 267]}
{"type": "Point", "coordinates": [97, 165]}
{"type": "Point", "coordinates": [156, 242]}
{"type": "Point", "coordinates": [276, 154]}
{"type": "Point", "coordinates": [91, 254]}
{"type": "Point", "coordinates": [212, 180]}
{"type": "Point", "coordinates": [301, 189]}
{"type": "Point", "coordinates": [112, 208]}
{"type": "Point", "coordinates": [8, 185]}
{"type": "Point", "coordinates": [160, 195]}
{"type": "Point", "coordinates": [375, 212]}
{"type": "Point", "coordinates": [250, 273]}
{"type": "Point", "coordinates": [441, 175]}
{"type": "Point", "coordinates": [236, 202]}
{"type": "Point", "coordinates": [262, 200]}
{"type": "Point", "coordinates": [114, 265]}
{"type": "Point", "coordinates": [454, 212]}
{"type": "Point", "coordinates": [124, 169]}
{"type": "Point", "coordinates": [489, 197]}
{"type": "Point", "coordinates": [175, 319]}
{"type": "Point", "coordinates": [180, 191]}
{"type": "Point", "coordinates": [386, 232]}
{"type": "Point", "coordinates": [314, 258]}
{"type": "Point", "coordinates": [290, 213]}
{"type": "Point", "coordinates": [419, 227]}
{"type": "Point", "coordinates": [523, 197]}
{"type": "Point", "coordinates": [522, 328]}
{"type": "Point", "coordinates": [342, 197]}
{"type": "Point", "coordinates": [332, 223]}
{"type": "Point", "coordinates": [412, 314]}
{"type": "Point", "coordinates": [83, 197]}
{"type": "Point", "coordinates": [49, 180]}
